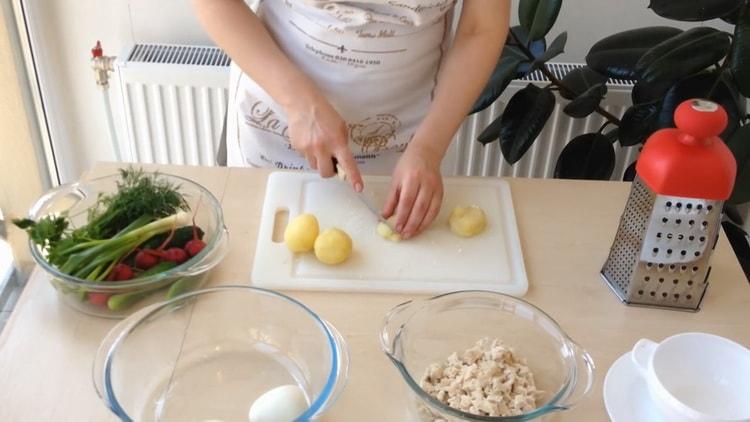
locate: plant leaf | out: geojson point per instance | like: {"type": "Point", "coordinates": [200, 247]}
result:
{"type": "Point", "coordinates": [684, 54]}
{"type": "Point", "coordinates": [740, 55]}
{"type": "Point", "coordinates": [555, 49]}
{"type": "Point", "coordinates": [538, 16]}
{"type": "Point", "coordinates": [698, 86]}
{"type": "Point", "coordinates": [491, 133]}
{"type": "Point", "coordinates": [537, 48]}
{"type": "Point", "coordinates": [648, 92]}
{"type": "Point", "coordinates": [694, 10]}
{"type": "Point", "coordinates": [501, 77]}
{"type": "Point", "coordinates": [589, 156]}
{"type": "Point", "coordinates": [587, 102]}
{"type": "Point", "coordinates": [523, 119]}
{"type": "Point", "coordinates": [616, 55]}
{"type": "Point", "coordinates": [580, 80]}
{"type": "Point", "coordinates": [637, 124]}
{"type": "Point", "coordinates": [629, 174]}
{"type": "Point", "coordinates": [740, 146]}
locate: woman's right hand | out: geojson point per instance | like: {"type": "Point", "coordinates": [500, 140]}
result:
{"type": "Point", "coordinates": [319, 134]}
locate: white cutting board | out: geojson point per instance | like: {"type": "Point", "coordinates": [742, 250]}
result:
{"type": "Point", "coordinates": [437, 261]}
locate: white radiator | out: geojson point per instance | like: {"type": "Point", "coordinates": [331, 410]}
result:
{"type": "Point", "coordinates": [174, 100]}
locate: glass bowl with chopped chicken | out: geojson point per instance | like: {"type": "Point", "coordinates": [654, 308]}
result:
{"type": "Point", "coordinates": [484, 356]}
{"type": "Point", "coordinates": [114, 244]}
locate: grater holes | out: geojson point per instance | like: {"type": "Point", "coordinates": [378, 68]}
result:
{"type": "Point", "coordinates": [661, 266]}
{"type": "Point", "coordinates": [683, 252]}
{"type": "Point", "coordinates": [661, 279]}
{"type": "Point", "coordinates": [658, 235]}
{"type": "Point", "coordinates": [697, 253]}
{"type": "Point", "coordinates": [665, 220]}
{"type": "Point", "coordinates": [690, 282]}
{"type": "Point", "coordinates": [709, 208]}
{"type": "Point", "coordinates": [691, 238]}
{"type": "Point", "coordinates": [653, 293]}
{"type": "Point", "coordinates": [672, 267]}
{"type": "Point", "coordinates": [704, 225]}
{"type": "Point", "coordinates": [678, 205]}
{"type": "Point", "coordinates": [689, 206]}
{"type": "Point", "coordinates": [688, 297]}
{"type": "Point", "coordinates": [664, 295]}
{"type": "Point", "coordinates": [669, 236]}
{"type": "Point", "coordinates": [676, 296]}
{"type": "Point", "coordinates": [669, 252]}
{"type": "Point", "coordinates": [675, 281]}
{"type": "Point", "coordinates": [680, 236]}
{"type": "Point", "coordinates": [647, 278]}
{"type": "Point", "coordinates": [702, 239]}
{"type": "Point", "coordinates": [683, 268]}
{"type": "Point", "coordinates": [640, 292]}
{"type": "Point", "coordinates": [699, 207]}
{"type": "Point", "coordinates": [695, 269]}
{"type": "Point", "coordinates": [678, 221]}
{"type": "Point", "coordinates": [691, 223]}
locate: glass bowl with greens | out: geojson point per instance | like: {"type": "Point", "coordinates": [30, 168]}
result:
{"type": "Point", "coordinates": [117, 243]}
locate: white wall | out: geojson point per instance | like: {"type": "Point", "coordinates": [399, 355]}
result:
{"type": "Point", "coordinates": [65, 30]}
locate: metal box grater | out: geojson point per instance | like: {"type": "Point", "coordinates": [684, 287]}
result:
{"type": "Point", "coordinates": [669, 228]}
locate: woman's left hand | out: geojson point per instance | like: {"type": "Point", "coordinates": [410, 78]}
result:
{"type": "Point", "coordinates": [416, 190]}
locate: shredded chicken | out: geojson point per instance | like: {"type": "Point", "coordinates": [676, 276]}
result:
{"type": "Point", "coordinates": [488, 379]}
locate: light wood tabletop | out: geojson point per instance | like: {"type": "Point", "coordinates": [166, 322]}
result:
{"type": "Point", "coordinates": [566, 228]}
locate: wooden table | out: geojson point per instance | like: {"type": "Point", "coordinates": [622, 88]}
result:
{"type": "Point", "coordinates": [566, 228]}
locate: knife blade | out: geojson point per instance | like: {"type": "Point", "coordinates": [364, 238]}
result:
{"type": "Point", "coordinates": [364, 198]}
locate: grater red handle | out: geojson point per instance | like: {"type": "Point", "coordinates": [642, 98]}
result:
{"type": "Point", "coordinates": [690, 161]}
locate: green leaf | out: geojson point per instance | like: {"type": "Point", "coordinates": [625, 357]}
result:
{"type": "Point", "coordinates": [699, 86]}
{"type": "Point", "coordinates": [637, 124]}
{"type": "Point", "coordinates": [523, 119]}
{"type": "Point", "coordinates": [694, 10]}
{"type": "Point", "coordinates": [740, 55]}
{"type": "Point", "coordinates": [580, 80]}
{"type": "Point", "coordinates": [684, 54]}
{"type": "Point", "coordinates": [501, 77]}
{"type": "Point", "coordinates": [590, 156]}
{"type": "Point", "coordinates": [538, 16]}
{"type": "Point", "coordinates": [492, 132]}
{"type": "Point", "coordinates": [587, 102]}
{"type": "Point", "coordinates": [555, 49]}
{"type": "Point", "coordinates": [616, 55]}
{"type": "Point", "coordinates": [740, 146]}
{"type": "Point", "coordinates": [648, 92]}
{"type": "Point", "coordinates": [537, 48]}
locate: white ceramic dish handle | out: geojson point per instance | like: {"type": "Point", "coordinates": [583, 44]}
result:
{"type": "Point", "coordinates": [642, 353]}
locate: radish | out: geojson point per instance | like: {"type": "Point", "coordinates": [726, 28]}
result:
{"type": "Point", "coordinates": [145, 259]}
{"type": "Point", "coordinates": [175, 255]}
{"type": "Point", "coordinates": [98, 299]}
{"type": "Point", "coordinates": [194, 247]}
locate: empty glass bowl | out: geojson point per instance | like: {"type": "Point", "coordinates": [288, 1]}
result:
{"type": "Point", "coordinates": [419, 333]}
{"type": "Point", "coordinates": [209, 354]}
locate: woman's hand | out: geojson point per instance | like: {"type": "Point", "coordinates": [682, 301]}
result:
{"type": "Point", "coordinates": [416, 190]}
{"type": "Point", "coordinates": [319, 133]}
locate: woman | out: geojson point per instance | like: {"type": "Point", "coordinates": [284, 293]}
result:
{"type": "Point", "coordinates": [374, 84]}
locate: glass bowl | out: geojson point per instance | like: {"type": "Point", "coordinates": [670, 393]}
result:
{"type": "Point", "coordinates": [419, 333]}
{"type": "Point", "coordinates": [77, 198]}
{"type": "Point", "coordinates": [209, 354]}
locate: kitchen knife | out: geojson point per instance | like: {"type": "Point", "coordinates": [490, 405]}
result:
{"type": "Point", "coordinates": [341, 175]}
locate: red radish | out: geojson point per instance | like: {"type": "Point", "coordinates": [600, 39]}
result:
{"type": "Point", "coordinates": [145, 259]}
{"type": "Point", "coordinates": [120, 272]}
{"type": "Point", "coordinates": [175, 255]}
{"type": "Point", "coordinates": [194, 247]}
{"type": "Point", "coordinates": [98, 299]}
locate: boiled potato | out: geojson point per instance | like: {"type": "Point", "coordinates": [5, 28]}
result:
{"type": "Point", "coordinates": [333, 246]}
{"type": "Point", "coordinates": [385, 231]}
{"type": "Point", "coordinates": [301, 232]}
{"type": "Point", "coordinates": [467, 221]}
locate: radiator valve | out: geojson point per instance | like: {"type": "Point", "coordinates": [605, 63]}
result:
{"type": "Point", "coordinates": [102, 65]}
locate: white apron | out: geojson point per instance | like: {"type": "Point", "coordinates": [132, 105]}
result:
{"type": "Point", "coordinates": [376, 61]}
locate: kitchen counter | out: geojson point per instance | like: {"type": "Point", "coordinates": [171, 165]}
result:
{"type": "Point", "coordinates": [566, 228]}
